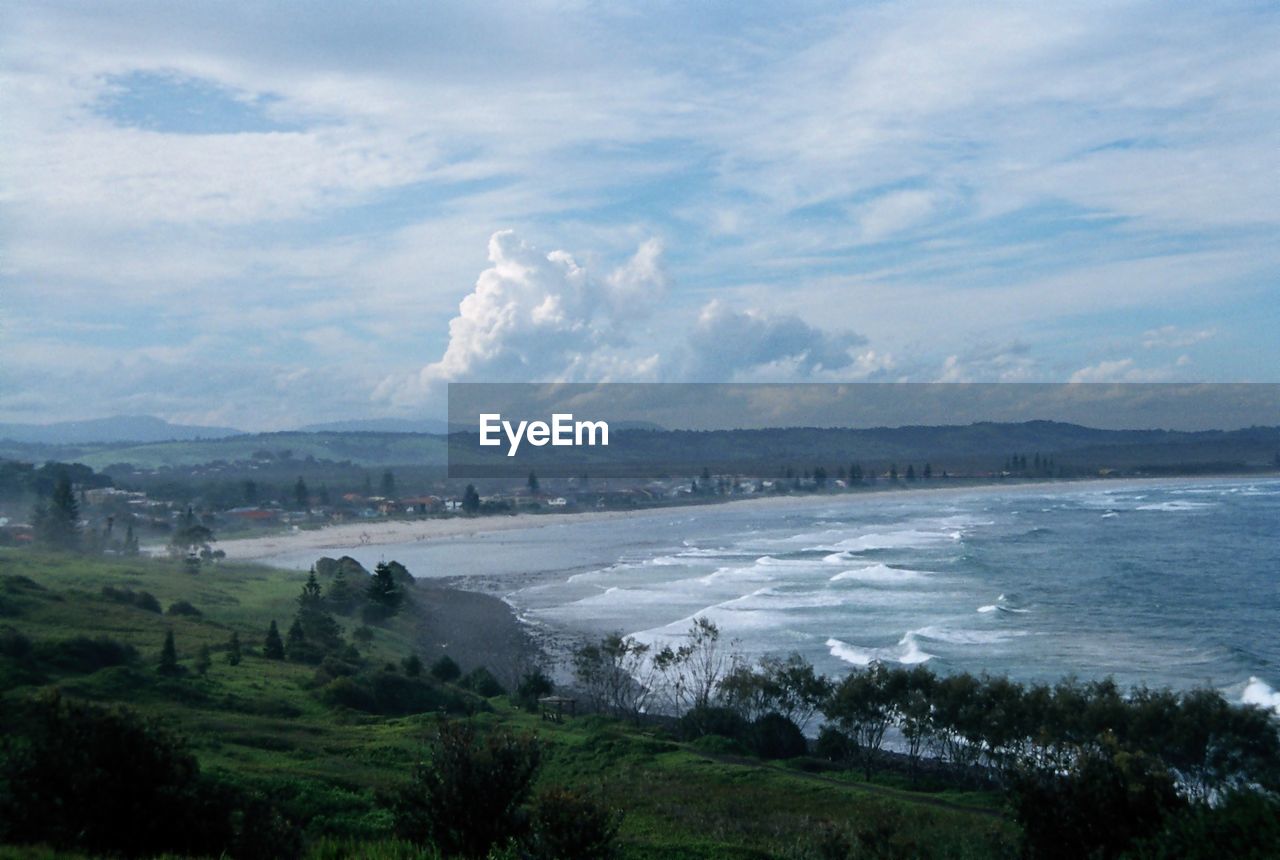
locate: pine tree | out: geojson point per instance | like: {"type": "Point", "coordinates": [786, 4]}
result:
{"type": "Point", "coordinates": [168, 656]}
{"type": "Point", "coordinates": [234, 655]}
{"type": "Point", "coordinates": [384, 593]}
{"type": "Point", "coordinates": [296, 642]}
{"type": "Point", "coordinates": [388, 484]}
{"type": "Point", "coordinates": [311, 596]}
{"type": "Point", "coordinates": [273, 646]}
{"type": "Point", "coordinates": [470, 500]}
{"type": "Point", "coordinates": [203, 661]}
{"type": "Point", "coordinates": [57, 524]}
{"type": "Point", "coordinates": [130, 541]}
{"type": "Point", "coordinates": [533, 483]}
{"type": "Point", "coordinates": [300, 494]}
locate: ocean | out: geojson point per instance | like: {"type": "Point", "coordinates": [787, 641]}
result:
{"type": "Point", "coordinates": [1162, 583]}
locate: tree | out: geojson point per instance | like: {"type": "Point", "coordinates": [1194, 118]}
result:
{"type": "Point", "coordinates": [467, 795]}
{"type": "Point", "coordinates": [234, 654]}
{"type": "Point", "coordinates": [388, 484]}
{"type": "Point", "coordinates": [296, 646]}
{"type": "Point", "coordinates": [57, 523]}
{"type": "Point", "coordinates": [911, 472]}
{"type": "Point", "coordinates": [106, 782]}
{"type": "Point", "coordinates": [320, 632]}
{"type": "Point", "coordinates": [301, 494]}
{"type": "Point", "coordinates": [203, 661]}
{"type": "Point", "coordinates": [130, 546]}
{"type": "Point", "coordinates": [168, 656]}
{"type": "Point", "coordinates": [250, 492]}
{"type": "Point", "coordinates": [384, 593]}
{"type": "Point", "coordinates": [189, 538]}
{"type": "Point", "coordinates": [412, 665]}
{"type": "Point", "coordinates": [470, 500]}
{"type": "Point", "coordinates": [445, 669]}
{"type": "Point", "coordinates": [533, 483]}
{"type": "Point", "coordinates": [273, 646]}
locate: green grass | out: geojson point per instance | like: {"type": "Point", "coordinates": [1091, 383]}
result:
{"type": "Point", "coordinates": [260, 724]}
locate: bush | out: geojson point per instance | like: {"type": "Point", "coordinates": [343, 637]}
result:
{"type": "Point", "coordinates": [711, 720]}
{"type": "Point", "coordinates": [835, 746]}
{"type": "Point", "coordinates": [182, 607]}
{"type": "Point", "coordinates": [14, 644]}
{"type": "Point", "coordinates": [572, 826]}
{"type": "Point", "coordinates": [719, 745]}
{"type": "Point", "coordinates": [105, 781]}
{"type": "Point", "coordinates": [532, 687]}
{"type": "Point", "coordinates": [141, 599]}
{"type": "Point", "coordinates": [82, 654]}
{"type": "Point", "coordinates": [1109, 799]}
{"type": "Point", "coordinates": [445, 669]}
{"type": "Point", "coordinates": [467, 796]}
{"type": "Point", "coordinates": [773, 736]}
{"type": "Point", "coordinates": [1244, 825]}
{"type": "Point", "coordinates": [482, 682]}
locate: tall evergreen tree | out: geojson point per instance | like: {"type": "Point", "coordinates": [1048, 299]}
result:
{"type": "Point", "coordinates": [470, 500]}
{"type": "Point", "coordinates": [234, 654]}
{"type": "Point", "coordinates": [203, 661]}
{"type": "Point", "coordinates": [300, 493]}
{"type": "Point", "coordinates": [273, 645]}
{"type": "Point", "coordinates": [296, 646]}
{"type": "Point", "coordinates": [168, 655]}
{"type": "Point", "coordinates": [384, 593]}
{"type": "Point", "coordinates": [388, 484]}
{"type": "Point", "coordinates": [57, 523]}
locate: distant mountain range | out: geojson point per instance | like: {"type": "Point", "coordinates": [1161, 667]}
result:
{"type": "Point", "coordinates": [121, 428]}
{"type": "Point", "coordinates": [378, 425]}
{"type": "Point", "coordinates": [148, 428]}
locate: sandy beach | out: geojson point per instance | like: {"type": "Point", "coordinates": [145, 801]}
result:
{"type": "Point", "coordinates": [384, 532]}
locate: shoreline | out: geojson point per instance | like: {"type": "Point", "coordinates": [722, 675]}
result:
{"type": "Point", "coordinates": [390, 532]}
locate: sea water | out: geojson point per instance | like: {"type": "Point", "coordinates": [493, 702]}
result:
{"type": "Point", "coordinates": [1163, 583]}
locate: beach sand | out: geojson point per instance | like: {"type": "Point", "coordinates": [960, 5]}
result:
{"type": "Point", "coordinates": [337, 538]}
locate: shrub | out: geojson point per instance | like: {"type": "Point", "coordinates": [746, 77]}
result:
{"type": "Point", "coordinates": [568, 825]}
{"type": "Point", "coordinates": [482, 682]}
{"type": "Point", "coordinates": [445, 669]}
{"type": "Point", "coordinates": [712, 720]}
{"type": "Point", "coordinates": [774, 736]}
{"type": "Point", "coordinates": [835, 746]}
{"type": "Point", "coordinates": [82, 654]}
{"type": "Point", "coordinates": [141, 599]}
{"type": "Point", "coordinates": [719, 745]}
{"type": "Point", "coordinates": [14, 644]}
{"type": "Point", "coordinates": [533, 686]}
{"type": "Point", "coordinates": [412, 665]}
{"type": "Point", "coordinates": [105, 781]}
{"type": "Point", "coordinates": [467, 796]}
{"type": "Point", "coordinates": [182, 607]}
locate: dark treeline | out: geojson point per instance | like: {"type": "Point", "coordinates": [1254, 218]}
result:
{"type": "Point", "coordinates": [1089, 769]}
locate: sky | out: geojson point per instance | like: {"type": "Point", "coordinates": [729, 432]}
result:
{"type": "Point", "coordinates": [263, 215]}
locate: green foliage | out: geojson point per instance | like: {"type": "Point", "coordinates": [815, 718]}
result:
{"type": "Point", "coordinates": [482, 682]}
{"type": "Point", "coordinates": [84, 653]}
{"type": "Point", "coordinates": [1243, 825]}
{"type": "Point", "coordinates": [105, 781]}
{"type": "Point", "coordinates": [57, 521]}
{"type": "Point", "coordinates": [273, 645]}
{"type": "Point", "coordinates": [1106, 801]}
{"type": "Point", "coordinates": [234, 653]}
{"type": "Point", "coordinates": [533, 686]}
{"type": "Point", "coordinates": [467, 796]}
{"type": "Point", "coordinates": [142, 599]}
{"type": "Point", "coordinates": [204, 661]}
{"type": "Point", "coordinates": [570, 825]}
{"type": "Point", "coordinates": [182, 607]}
{"type": "Point", "coordinates": [774, 736]}
{"type": "Point", "coordinates": [470, 500]}
{"type": "Point", "coordinates": [384, 592]}
{"type": "Point", "coordinates": [445, 669]}
{"type": "Point", "coordinates": [168, 656]}
{"type": "Point", "coordinates": [412, 665]}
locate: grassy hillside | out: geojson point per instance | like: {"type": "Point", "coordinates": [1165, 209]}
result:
{"type": "Point", "coordinates": [262, 724]}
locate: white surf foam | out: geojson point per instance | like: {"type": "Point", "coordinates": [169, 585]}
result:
{"type": "Point", "coordinates": [906, 652]}
{"type": "Point", "coordinates": [1259, 692]}
{"type": "Point", "coordinates": [879, 574]}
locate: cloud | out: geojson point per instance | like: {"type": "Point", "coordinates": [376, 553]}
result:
{"type": "Point", "coordinates": [1010, 362]}
{"type": "Point", "coordinates": [1127, 370]}
{"type": "Point", "coordinates": [725, 343]}
{"type": "Point", "coordinates": [1172, 337]}
{"type": "Point", "coordinates": [540, 317]}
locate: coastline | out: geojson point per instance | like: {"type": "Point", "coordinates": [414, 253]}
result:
{"type": "Point", "coordinates": [388, 532]}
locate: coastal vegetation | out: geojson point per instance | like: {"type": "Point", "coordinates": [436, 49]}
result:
{"type": "Point", "coordinates": [362, 737]}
